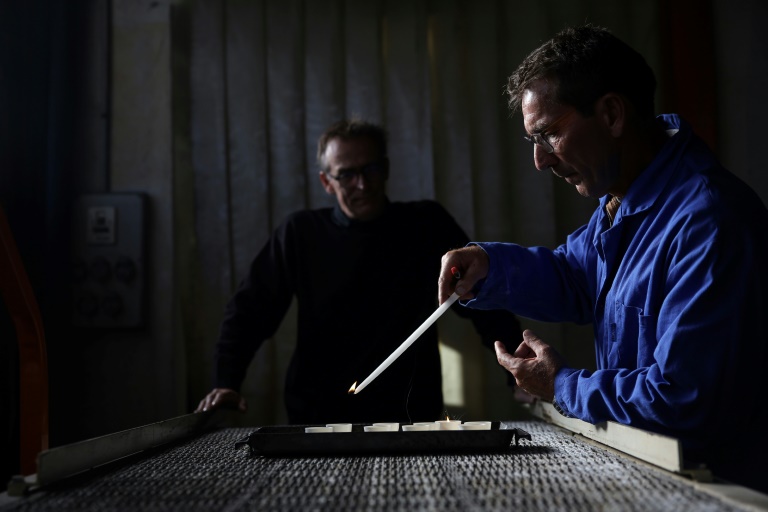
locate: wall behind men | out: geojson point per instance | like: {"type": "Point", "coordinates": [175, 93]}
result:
{"type": "Point", "coordinates": [212, 108]}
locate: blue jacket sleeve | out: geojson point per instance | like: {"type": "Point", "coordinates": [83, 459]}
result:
{"type": "Point", "coordinates": [538, 283]}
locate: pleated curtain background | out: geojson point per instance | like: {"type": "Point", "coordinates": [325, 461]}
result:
{"type": "Point", "coordinates": [267, 77]}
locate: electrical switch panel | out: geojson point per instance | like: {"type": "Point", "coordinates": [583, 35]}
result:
{"type": "Point", "coordinates": [108, 266]}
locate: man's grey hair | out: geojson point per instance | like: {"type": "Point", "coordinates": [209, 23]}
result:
{"type": "Point", "coordinates": [351, 129]}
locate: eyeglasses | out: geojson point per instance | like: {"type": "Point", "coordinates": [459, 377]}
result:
{"type": "Point", "coordinates": [350, 177]}
{"type": "Point", "coordinates": [540, 138]}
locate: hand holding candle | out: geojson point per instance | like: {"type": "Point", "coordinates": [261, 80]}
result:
{"type": "Point", "coordinates": [474, 265]}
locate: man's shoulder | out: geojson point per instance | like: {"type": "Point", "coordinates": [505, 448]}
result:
{"type": "Point", "coordinates": [303, 221]}
{"type": "Point", "coordinates": [715, 188]}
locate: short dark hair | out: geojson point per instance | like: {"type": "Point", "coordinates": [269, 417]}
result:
{"type": "Point", "coordinates": [586, 62]}
{"type": "Point", "coordinates": [351, 129]}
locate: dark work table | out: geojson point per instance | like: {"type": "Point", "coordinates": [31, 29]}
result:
{"type": "Point", "coordinates": [555, 470]}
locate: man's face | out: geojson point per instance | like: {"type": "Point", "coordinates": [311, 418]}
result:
{"type": "Point", "coordinates": [361, 192]}
{"type": "Point", "coordinates": [584, 151]}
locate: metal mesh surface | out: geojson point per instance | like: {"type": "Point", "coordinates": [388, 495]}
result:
{"type": "Point", "coordinates": [553, 472]}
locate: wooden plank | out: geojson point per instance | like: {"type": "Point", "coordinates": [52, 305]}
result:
{"type": "Point", "coordinates": [659, 450]}
{"type": "Point", "coordinates": [65, 461]}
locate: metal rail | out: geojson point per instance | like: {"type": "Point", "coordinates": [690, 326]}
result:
{"type": "Point", "coordinates": [65, 461]}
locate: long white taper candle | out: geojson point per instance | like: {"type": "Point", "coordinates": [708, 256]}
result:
{"type": "Point", "coordinates": [407, 343]}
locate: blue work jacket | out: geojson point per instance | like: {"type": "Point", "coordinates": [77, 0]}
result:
{"type": "Point", "coordinates": [677, 292]}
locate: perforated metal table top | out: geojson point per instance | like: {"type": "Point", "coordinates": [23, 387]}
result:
{"type": "Point", "coordinates": [554, 471]}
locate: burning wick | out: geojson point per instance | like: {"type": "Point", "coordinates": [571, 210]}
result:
{"type": "Point", "coordinates": [352, 389]}
{"type": "Point", "coordinates": [448, 423]}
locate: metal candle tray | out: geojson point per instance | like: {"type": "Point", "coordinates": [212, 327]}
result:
{"type": "Point", "coordinates": [291, 441]}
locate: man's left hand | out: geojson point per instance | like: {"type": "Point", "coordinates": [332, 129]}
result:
{"type": "Point", "coordinates": [534, 365]}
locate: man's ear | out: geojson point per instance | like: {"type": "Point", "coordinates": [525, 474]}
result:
{"type": "Point", "coordinates": [612, 111]}
{"type": "Point", "coordinates": [326, 182]}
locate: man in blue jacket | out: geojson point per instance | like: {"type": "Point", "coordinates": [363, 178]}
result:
{"type": "Point", "coordinates": [670, 270]}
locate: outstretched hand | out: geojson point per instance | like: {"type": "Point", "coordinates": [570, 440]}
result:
{"type": "Point", "coordinates": [534, 365]}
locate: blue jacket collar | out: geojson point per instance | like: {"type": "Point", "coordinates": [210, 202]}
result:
{"type": "Point", "coordinates": [647, 187]}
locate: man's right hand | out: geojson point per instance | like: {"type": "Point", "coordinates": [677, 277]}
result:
{"type": "Point", "coordinates": [222, 397]}
{"type": "Point", "coordinates": [472, 264]}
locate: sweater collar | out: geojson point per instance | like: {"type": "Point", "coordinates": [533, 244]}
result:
{"type": "Point", "coordinates": [341, 219]}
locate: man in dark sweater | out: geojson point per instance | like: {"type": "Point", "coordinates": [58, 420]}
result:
{"type": "Point", "coordinates": [351, 315]}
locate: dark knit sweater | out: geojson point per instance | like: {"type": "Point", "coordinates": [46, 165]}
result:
{"type": "Point", "coordinates": [362, 289]}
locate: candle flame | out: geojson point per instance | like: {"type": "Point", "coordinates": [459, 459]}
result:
{"type": "Point", "coordinates": [352, 389]}
{"type": "Point", "coordinates": [447, 418]}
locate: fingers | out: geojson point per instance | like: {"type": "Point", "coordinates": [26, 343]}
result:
{"type": "Point", "coordinates": [531, 346]}
{"type": "Point", "coordinates": [505, 359]}
{"type": "Point", "coordinates": [222, 397]}
{"type": "Point", "coordinates": [524, 351]}
{"type": "Point", "coordinates": [207, 402]}
{"type": "Point", "coordinates": [501, 350]}
{"type": "Point", "coordinates": [472, 265]}
{"type": "Point", "coordinates": [533, 365]}
{"type": "Point", "coordinates": [534, 342]}
{"type": "Point", "coordinates": [446, 281]}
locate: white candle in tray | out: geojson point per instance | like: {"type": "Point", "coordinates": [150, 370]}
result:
{"type": "Point", "coordinates": [449, 424]}
{"type": "Point", "coordinates": [477, 425]}
{"type": "Point", "coordinates": [417, 428]}
{"type": "Point", "coordinates": [391, 426]}
{"type": "Point", "coordinates": [431, 424]}
{"type": "Point", "coordinates": [317, 430]}
{"type": "Point", "coordinates": [340, 427]}
{"type": "Point", "coordinates": [375, 428]}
